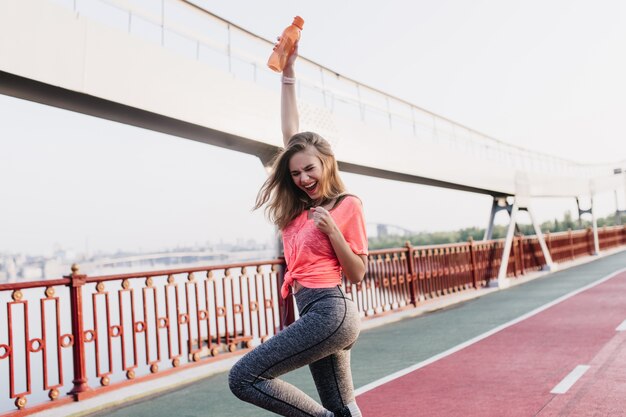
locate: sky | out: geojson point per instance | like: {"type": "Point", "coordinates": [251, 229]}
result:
{"type": "Point", "coordinates": [545, 75]}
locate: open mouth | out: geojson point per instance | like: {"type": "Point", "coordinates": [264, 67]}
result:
{"type": "Point", "coordinates": [310, 189]}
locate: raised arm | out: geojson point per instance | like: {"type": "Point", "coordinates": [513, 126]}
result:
{"type": "Point", "coordinates": [289, 117]}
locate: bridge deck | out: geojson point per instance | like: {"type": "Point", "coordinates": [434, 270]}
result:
{"type": "Point", "coordinates": [399, 346]}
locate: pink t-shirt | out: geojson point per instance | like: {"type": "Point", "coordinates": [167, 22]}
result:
{"type": "Point", "coordinates": [310, 257]}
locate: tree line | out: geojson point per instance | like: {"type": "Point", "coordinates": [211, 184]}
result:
{"type": "Point", "coordinates": [499, 231]}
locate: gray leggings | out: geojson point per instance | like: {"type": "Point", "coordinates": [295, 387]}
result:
{"type": "Point", "coordinates": [321, 338]}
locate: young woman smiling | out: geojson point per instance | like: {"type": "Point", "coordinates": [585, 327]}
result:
{"type": "Point", "coordinates": [323, 236]}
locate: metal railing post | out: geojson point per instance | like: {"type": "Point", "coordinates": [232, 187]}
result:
{"type": "Point", "coordinates": [361, 105]}
{"type": "Point", "coordinates": [571, 242]}
{"type": "Point", "coordinates": [78, 334]}
{"type": "Point", "coordinates": [230, 51]}
{"type": "Point", "coordinates": [521, 253]}
{"type": "Point", "coordinates": [470, 241]}
{"type": "Point", "coordinates": [411, 271]}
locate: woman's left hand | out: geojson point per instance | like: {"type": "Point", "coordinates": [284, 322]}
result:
{"type": "Point", "coordinates": [323, 220]}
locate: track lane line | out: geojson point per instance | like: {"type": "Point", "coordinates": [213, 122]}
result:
{"type": "Point", "coordinates": [432, 359]}
{"type": "Point", "coordinates": [571, 378]}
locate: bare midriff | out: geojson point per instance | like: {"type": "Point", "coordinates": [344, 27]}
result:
{"type": "Point", "coordinates": [296, 286]}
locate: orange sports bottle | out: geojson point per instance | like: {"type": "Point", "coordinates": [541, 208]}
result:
{"type": "Point", "coordinates": [284, 48]}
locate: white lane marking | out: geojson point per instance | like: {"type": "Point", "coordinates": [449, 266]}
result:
{"type": "Point", "coordinates": [478, 338]}
{"type": "Point", "coordinates": [571, 378]}
{"type": "Point", "coordinates": [621, 327]}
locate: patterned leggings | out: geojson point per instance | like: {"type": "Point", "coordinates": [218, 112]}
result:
{"type": "Point", "coordinates": [321, 338]}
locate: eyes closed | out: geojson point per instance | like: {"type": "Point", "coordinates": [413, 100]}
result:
{"type": "Point", "coordinates": [308, 168]}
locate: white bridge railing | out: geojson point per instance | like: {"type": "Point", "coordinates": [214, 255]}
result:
{"type": "Point", "coordinates": [189, 29]}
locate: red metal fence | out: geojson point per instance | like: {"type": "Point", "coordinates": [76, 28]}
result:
{"type": "Point", "coordinates": [78, 336]}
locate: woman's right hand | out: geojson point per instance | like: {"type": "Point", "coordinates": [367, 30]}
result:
{"type": "Point", "coordinates": [291, 61]}
{"type": "Point", "coordinates": [288, 70]}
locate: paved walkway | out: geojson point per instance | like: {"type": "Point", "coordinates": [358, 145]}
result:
{"type": "Point", "coordinates": [523, 368]}
{"type": "Point", "coordinates": [408, 344]}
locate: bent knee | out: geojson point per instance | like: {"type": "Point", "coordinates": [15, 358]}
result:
{"type": "Point", "coordinates": [241, 379]}
{"type": "Point", "coordinates": [237, 381]}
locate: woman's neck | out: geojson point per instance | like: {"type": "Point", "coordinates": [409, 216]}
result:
{"type": "Point", "coordinates": [326, 203]}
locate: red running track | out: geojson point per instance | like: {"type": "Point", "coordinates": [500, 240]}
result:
{"type": "Point", "coordinates": [512, 372]}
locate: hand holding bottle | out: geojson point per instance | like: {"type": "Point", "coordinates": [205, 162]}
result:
{"type": "Point", "coordinates": [288, 70]}
{"type": "Point", "coordinates": [286, 45]}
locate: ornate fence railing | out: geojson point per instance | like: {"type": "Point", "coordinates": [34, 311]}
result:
{"type": "Point", "coordinates": [71, 338]}
{"type": "Point", "coordinates": [115, 330]}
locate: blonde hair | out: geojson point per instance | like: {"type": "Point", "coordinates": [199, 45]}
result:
{"type": "Point", "coordinates": [285, 201]}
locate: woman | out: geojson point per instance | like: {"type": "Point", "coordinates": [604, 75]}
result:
{"type": "Point", "coordinates": [323, 235]}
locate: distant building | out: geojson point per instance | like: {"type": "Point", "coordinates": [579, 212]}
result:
{"type": "Point", "coordinates": [9, 269]}
{"type": "Point", "coordinates": [52, 269]}
{"type": "Point", "coordinates": [30, 272]}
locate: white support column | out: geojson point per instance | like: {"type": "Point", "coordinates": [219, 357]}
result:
{"type": "Point", "coordinates": [550, 265]}
{"type": "Point", "coordinates": [623, 211]}
{"type": "Point", "coordinates": [618, 213]}
{"type": "Point", "coordinates": [503, 281]}
{"type": "Point", "coordinates": [596, 241]}
{"type": "Point", "coordinates": [492, 216]}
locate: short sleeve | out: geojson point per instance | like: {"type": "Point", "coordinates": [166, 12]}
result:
{"type": "Point", "coordinates": [351, 222]}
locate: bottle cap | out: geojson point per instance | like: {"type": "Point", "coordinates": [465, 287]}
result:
{"type": "Point", "coordinates": [298, 21]}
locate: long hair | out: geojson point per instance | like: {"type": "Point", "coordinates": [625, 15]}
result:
{"type": "Point", "coordinates": [285, 201]}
